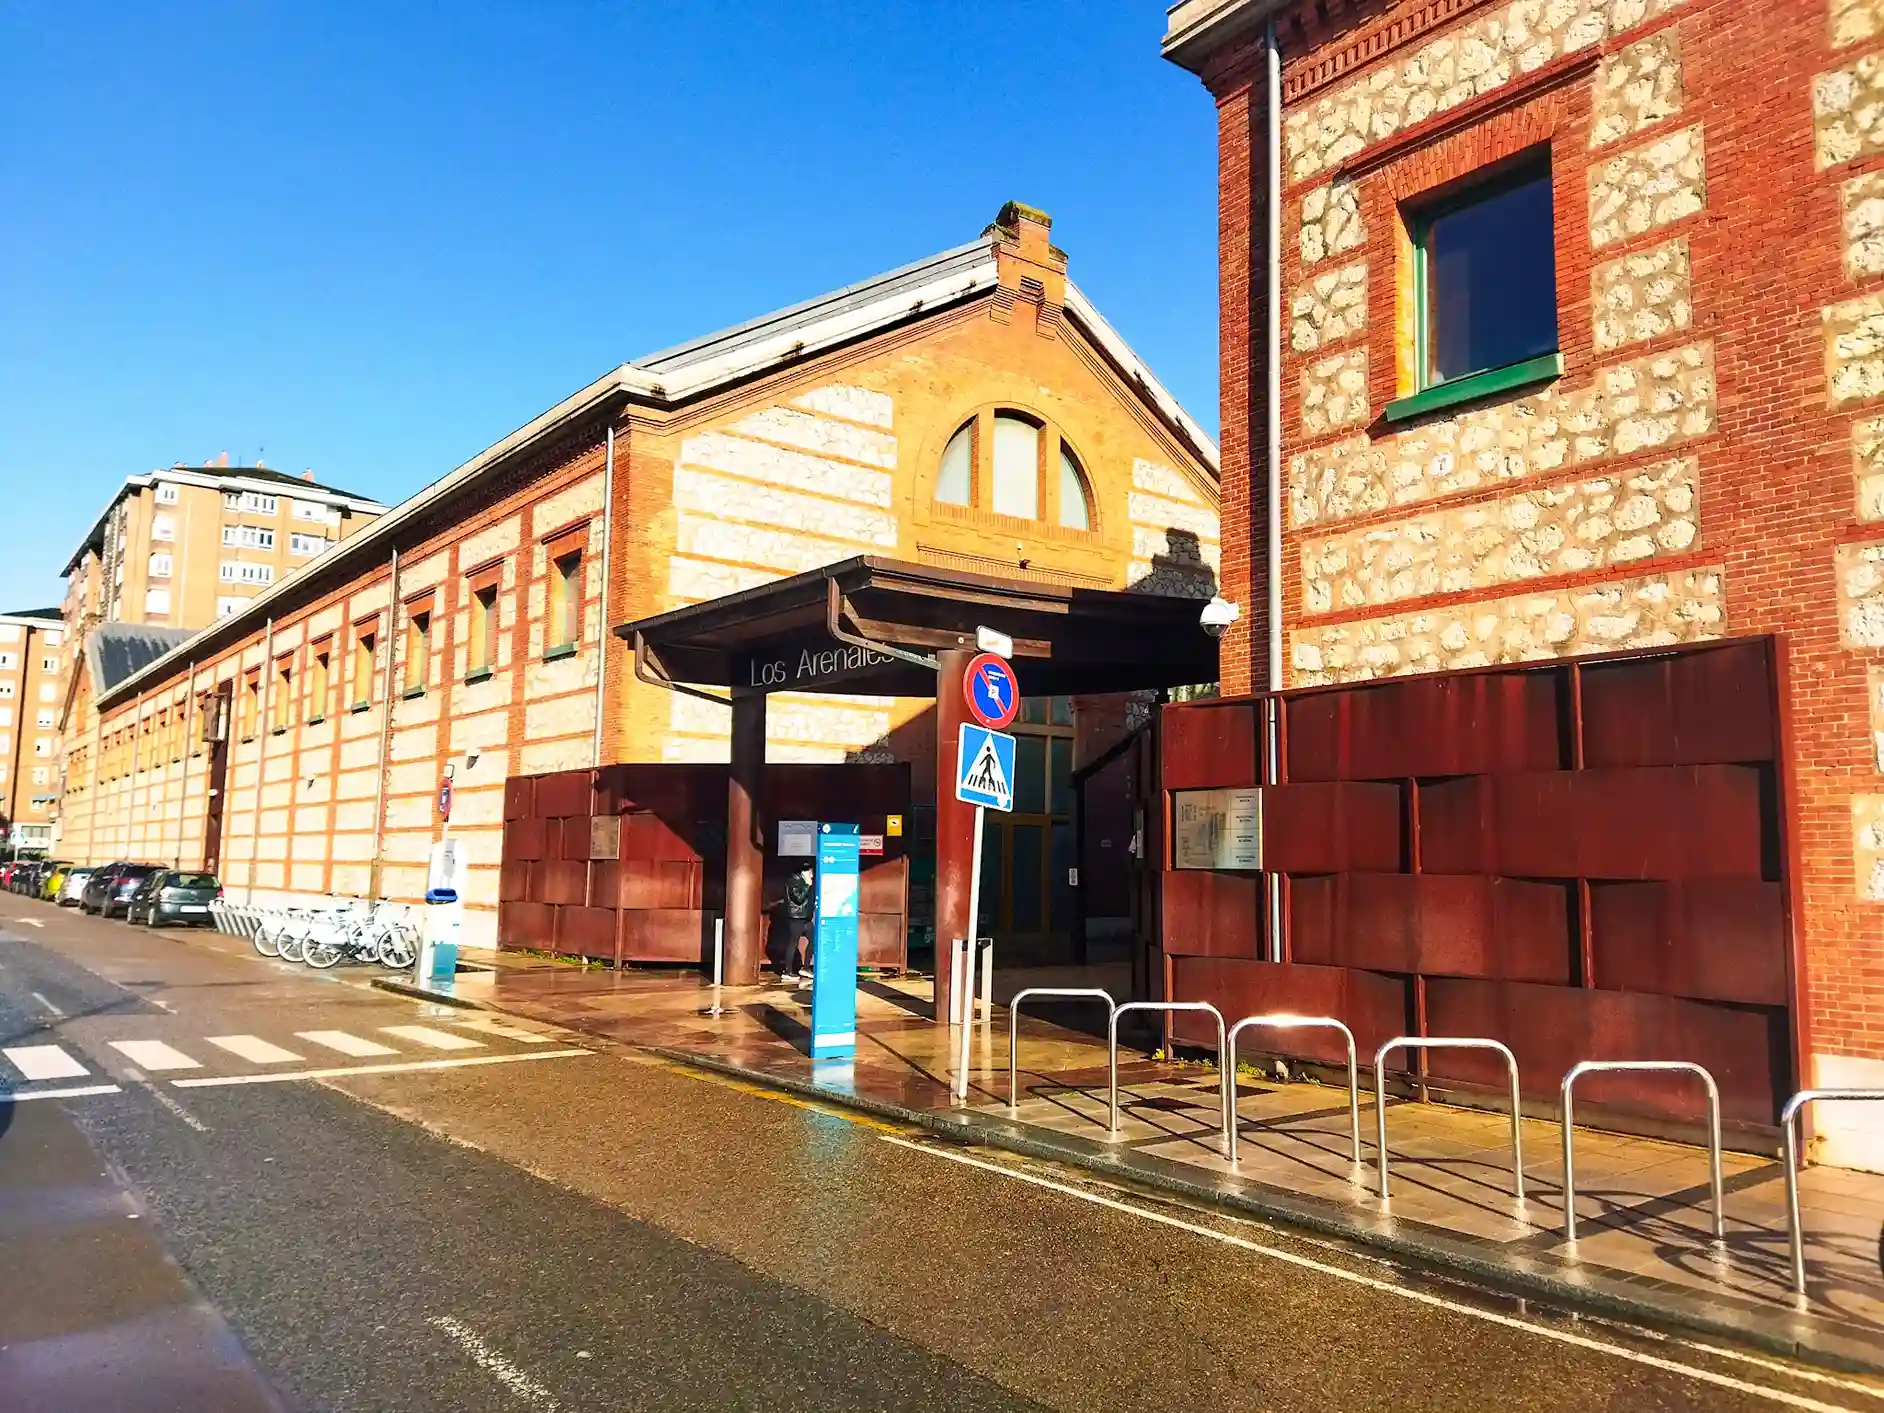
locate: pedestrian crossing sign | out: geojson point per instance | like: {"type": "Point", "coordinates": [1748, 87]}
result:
{"type": "Point", "coordinates": [984, 768]}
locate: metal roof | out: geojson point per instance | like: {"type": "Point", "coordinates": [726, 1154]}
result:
{"type": "Point", "coordinates": [115, 651]}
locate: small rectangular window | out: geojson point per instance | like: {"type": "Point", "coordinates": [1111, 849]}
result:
{"type": "Point", "coordinates": [251, 705]}
{"type": "Point", "coordinates": [418, 650]}
{"type": "Point", "coordinates": [482, 648]}
{"type": "Point", "coordinates": [157, 601]}
{"type": "Point", "coordinates": [1486, 275]}
{"type": "Point", "coordinates": [166, 494]}
{"type": "Point", "coordinates": [565, 600]}
{"type": "Point", "coordinates": [363, 643]}
{"type": "Point", "coordinates": [227, 606]}
{"type": "Point", "coordinates": [45, 719]}
{"type": "Point", "coordinates": [320, 687]}
{"type": "Point", "coordinates": [163, 528]}
{"type": "Point", "coordinates": [160, 566]}
{"type": "Point", "coordinates": [284, 697]}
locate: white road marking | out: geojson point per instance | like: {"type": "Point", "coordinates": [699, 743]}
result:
{"type": "Point", "coordinates": [76, 1092]}
{"type": "Point", "coordinates": [402, 1066]}
{"type": "Point", "coordinates": [44, 1002]}
{"type": "Point", "coordinates": [253, 1048]}
{"type": "Point", "coordinates": [30, 921]}
{"type": "Point", "coordinates": [154, 1055]}
{"type": "Point", "coordinates": [1708, 1376]}
{"type": "Point", "coordinates": [45, 1062]}
{"type": "Point", "coordinates": [436, 1039]}
{"type": "Point", "coordinates": [502, 1028]}
{"type": "Point", "coordinates": [498, 1367]}
{"type": "Point", "coordinates": [1787, 1370]}
{"type": "Point", "coordinates": [164, 1099]}
{"type": "Point", "coordinates": [346, 1044]}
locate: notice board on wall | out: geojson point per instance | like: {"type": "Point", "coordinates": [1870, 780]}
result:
{"type": "Point", "coordinates": [1217, 829]}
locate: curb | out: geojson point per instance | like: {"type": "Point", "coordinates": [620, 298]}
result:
{"type": "Point", "coordinates": [1424, 1249]}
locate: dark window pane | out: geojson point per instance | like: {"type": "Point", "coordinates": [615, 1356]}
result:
{"type": "Point", "coordinates": [1062, 711]}
{"type": "Point", "coordinates": [1033, 711]}
{"type": "Point", "coordinates": [1024, 899]}
{"type": "Point", "coordinates": [1030, 774]}
{"type": "Point", "coordinates": [1062, 756]}
{"type": "Point", "coordinates": [993, 884]}
{"type": "Point", "coordinates": [1491, 281]}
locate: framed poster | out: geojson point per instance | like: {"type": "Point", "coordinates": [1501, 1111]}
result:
{"type": "Point", "coordinates": [1217, 829]}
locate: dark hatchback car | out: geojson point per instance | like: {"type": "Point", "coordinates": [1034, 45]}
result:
{"type": "Point", "coordinates": [111, 888]}
{"type": "Point", "coordinates": [168, 898]}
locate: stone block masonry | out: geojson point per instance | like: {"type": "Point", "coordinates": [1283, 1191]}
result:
{"type": "Point", "coordinates": [1656, 184]}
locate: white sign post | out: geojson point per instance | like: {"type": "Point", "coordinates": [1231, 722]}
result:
{"type": "Point", "coordinates": [984, 778]}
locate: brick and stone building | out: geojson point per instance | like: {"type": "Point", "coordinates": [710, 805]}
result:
{"type": "Point", "coordinates": [1696, 452]}
{"type": "Point", "coordinates": [31, 659]}
{"type": "Point", "coordinates": [972, 411]}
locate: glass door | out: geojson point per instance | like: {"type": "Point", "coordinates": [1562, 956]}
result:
{"type": "Point", "coordinates": [1026, 856]}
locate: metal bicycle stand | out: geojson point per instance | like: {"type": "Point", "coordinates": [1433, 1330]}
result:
{"type": "Point", "coordinates": [1419, 1042]}
{"type": "Point", "coordinates": [1092, 993]}
{"type": "Point", "coordinates": [1577, 1071]}
{"type": "Point", "coordinates": [1112, 1056]}
{"type": "Point", "coordinates": [1289, 1022]}
{"type": "Point", "coordinates": [1789, 1124]}
{"type": "Point", "coordinates": [719, 967]}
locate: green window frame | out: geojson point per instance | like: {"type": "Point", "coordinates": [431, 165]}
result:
{"type": "Point", "coordinates": [1430, 395]}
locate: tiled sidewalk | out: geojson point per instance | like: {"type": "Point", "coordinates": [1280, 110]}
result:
{"type": "Point", "coordinates": [1645, 1242]}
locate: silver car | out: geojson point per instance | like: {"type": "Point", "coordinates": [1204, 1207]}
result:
{"type": "Point", "coordinates": [73, 888]}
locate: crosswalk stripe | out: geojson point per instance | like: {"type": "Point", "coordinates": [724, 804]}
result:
{"type": "Point", "coordinates": [154, 1055]}
{"type": "Point", "coordinates": [44, 1062]}
{"type": "Point", "coordinates": [508, 1032]}
{"type": "Point", "coordinates": [253, 1048]}
{"type": "Point", "coordinates": [436, 1039]}
{"type": "Point", "coordinates": [346, 1044]}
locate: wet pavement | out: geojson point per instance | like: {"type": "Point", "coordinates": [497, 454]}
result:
{"type": "Point", "coordinates": [612, 1231]}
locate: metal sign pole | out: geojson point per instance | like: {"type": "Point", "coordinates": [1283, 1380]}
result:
{"type": "Point", "coordinates": [964, 996]}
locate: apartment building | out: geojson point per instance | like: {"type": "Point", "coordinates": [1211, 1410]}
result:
{"type": "Point", "coordinates": [972, 411]}
{"type": "Point", "coordinates": [184, 546]}
{"type": "Point", "coordinates": [32, 644]}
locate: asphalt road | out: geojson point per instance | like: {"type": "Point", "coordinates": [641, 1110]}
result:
{"type": "Point", "coordinates": [517, 1227]}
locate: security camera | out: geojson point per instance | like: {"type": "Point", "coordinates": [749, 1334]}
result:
{"type": "Point", "coordinates": [1217, 617]}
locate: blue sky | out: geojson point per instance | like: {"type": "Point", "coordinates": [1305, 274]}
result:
{"type": "Point", "coordinates": [371, 239]}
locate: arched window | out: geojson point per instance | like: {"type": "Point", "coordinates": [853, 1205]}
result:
{"type": "Point", "coordinates": [1016, 466]}
{"type": "Point", "coordinates": [1075, 496]}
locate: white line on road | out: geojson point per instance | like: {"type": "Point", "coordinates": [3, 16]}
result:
{"type": "Point", "coordinates": [30, 921]}
{"type": "Point", "coordinates": [487, 1026]}
{"type": "Point", "coordinates": [154, 1055]}
{"type": "Point", "coordinates": [252, 1048]}
{"type": "Point", "coordinates": [76, 1092]}
{"type": "Point", "coordinates": [164, 1099]}
{"type": "Point", "coordinates": [344, 1070]}
{"type": "Point", "coordinates": [44, 1002]}
{"type": "Point", "coordinates": [346, 1044]}
{"type": "Point", "coordinates": [1727, 1381]}
{"type": "Point", "coordinates": [498, 1367]}
{"type": "Point", "coordinates": [45, 1062]}
{"type": "Point", "coordinates": [436, 1039]}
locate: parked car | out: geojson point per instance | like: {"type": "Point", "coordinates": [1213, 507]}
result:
{"type": "Point", "coordinates": [112, 886]}
{"type": "Point", "coordinates": [49, 886]}
{"type": "Point", "coordinates": [22, 879]}
{"type": "Point", "coordinates": [73, 887]}
{"type": "Point", "coordinates": [168, 897]}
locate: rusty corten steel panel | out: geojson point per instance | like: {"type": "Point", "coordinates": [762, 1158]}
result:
{"type": "Point", "coordinates": [1373, 1007]}
{"type": "Point", "coordinates": [524, 839]}
{"type": "Point", "coordinates": [880, 939]}
{"type": "Point", "coordinates": [649, 836]}
{"type": "Point", "coordinates": [1456, 925]}
{"type": "Point", "coordinates": [1209, 744]}
{"type": "Point", "coordinates": [564, 793]}
{"type": "Point", "coordinates": [1312, 920]}
{"type": "Point", "coordinates": [561, 881]}
{"type": "Point", "coordinates": [1455, 833]}
{"type": "Point", "coordinates": [883, 884]}
{"type": "Point", "coordinates": [1331, 827]}
{"type": "Point", "coordinates": [1530, 828]}
{"type": "Point", "coordinates": [659, 883]}
{"type": "Point", "coordinates": [1551, 1028]}
{"type": "Point", "coordinates": [585, 932]}
{"type": "Point", "coordinates": [1314, 736]}
{"type": "Point", "coordinates": [1431, 726]}
{"type": "Point", "coordinates": [604, 883]}
{"type": "Point", "coordinates": [1712, 706]}
{"type": "Point", "coordinates": [513, 881]}
{"type": "Point", "coordinates": [519, 796]}
{"type": "Point", "coordinates": [1702, 821]}
{"type": "Point", "coordinates": [665, 935]}
{"type": "Point", "coordinates": [1721, 940]}
{"type": "Point", "coordinates": [576, 836]}
{"type": "Point", "coordinates": [1213, 914]}
{"type": "Point", "coordinates": [524, 924]}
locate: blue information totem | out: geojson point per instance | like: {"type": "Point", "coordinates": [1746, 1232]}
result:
{"type": "Point", "coordinates": [834, 962]}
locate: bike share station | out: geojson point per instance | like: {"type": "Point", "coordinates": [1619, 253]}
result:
{"type": "Point", "coordinates": [888, 628]}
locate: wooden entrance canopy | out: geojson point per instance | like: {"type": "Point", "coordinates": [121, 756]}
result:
{"type": "Point", "coordinates": [864, 625]}
{"type": "Point", "coordinates": [886, 627]}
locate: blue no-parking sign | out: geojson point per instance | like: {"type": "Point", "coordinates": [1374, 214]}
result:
{"type": "Point", "coordinates": [984, 768]}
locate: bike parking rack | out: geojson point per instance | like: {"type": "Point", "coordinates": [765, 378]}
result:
{"type": "Point", "coordinates": [1436, 1042]}
{"type": "Point", "coordinates": [1091, 993]}
{"type": "Point", "coordinates": [1284, 1021]}
{"type": "Point", "coordinates": [1112, 1057]}
{"type": "Point", "coordinates": [1577, 1071]}
{"type": "Point", "coordinates": [1789, 1124]}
